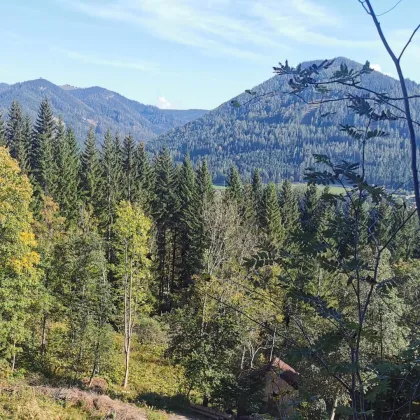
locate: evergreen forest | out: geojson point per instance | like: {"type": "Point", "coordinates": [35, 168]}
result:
{"type": "Point", "coordinates": [127, 272]}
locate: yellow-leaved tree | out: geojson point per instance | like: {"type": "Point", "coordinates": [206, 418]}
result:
{"type": "Point", "coordinates": [131, 230]}
{"type": "Point", "coordinates": [18, 259]}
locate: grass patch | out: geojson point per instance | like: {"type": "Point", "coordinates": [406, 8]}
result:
{"type": "Point", "coordinates": [334, 189]}
{"type": "Point", "coordinates": [153, 414]}
{"type": "Point", "coordinates": [24, 404]}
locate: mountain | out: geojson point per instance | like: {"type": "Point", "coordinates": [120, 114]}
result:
{"type": "Point", "coordinates": [81, 108]}
{"type": "Point", "coordinates": [279, 133]}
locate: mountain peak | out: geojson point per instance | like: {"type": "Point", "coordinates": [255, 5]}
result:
{"type": "Point", "coordinates": [79, 107]}
{"type": "Point", "coordinates": [68, 87]}
{"type": "Point", "coordinates": [280, 132]}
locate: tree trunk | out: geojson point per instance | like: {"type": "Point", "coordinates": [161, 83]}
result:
{"type": "Point", "coordinates": [14, 356]}
{"type": "Point", "coordinates": [44, 335]}
{"type": "Point", "coordinates": [127, 363]}
{"type": "Point", "coordinates": [334, 408]}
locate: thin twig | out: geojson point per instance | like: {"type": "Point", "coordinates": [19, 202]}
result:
{"type": "Point", "coordinates": [408, 42]}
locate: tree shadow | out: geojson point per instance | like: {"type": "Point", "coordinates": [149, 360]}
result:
{"type": "Point", "coordinates": [176, 403]}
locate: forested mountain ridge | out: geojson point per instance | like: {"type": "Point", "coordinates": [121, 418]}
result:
{"type": "Point", "coordinates": [280, 133]}
{"type": "Point", "coordinates": [82, 107]}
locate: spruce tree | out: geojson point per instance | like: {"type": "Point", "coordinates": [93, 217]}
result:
{"type": "Point", "coordinates": [90, 172]}
{"type": "Point", "coordinates": [42, 157]}
{"type": "Point", "coordinates": [309, 209]}
{"type": "Point", "coordinates": [204, 183]}
{"type": "Point", "coordinates": [289, 208]}
{"type": "Point", "coordinates": [234, 185]}
{"type": "Point", "coordinates": [189, 223]}
{"type": "Point", "coordinates": [257, 196]}
{"type": "Point", "coordinates": [204, 195]}
{"type": "Point", "coordinates": [111, 167]}
{"type": "Point", "coordinates": [144, 185]}
{"type": "Point", "coordinates": [68, 179]}
{"type": "Point", "coordinates": [405, 244]}
{"type": "Point", "coordinates": [129, 168]}
{"type": "Point", "coordinates": [24, 155]}
{"type": "Point", "coordinates": [272, 223]}
{"type": "Point", "coordinates": [165, 213]}
{"type": "Point", "coordinates": [15, 134]}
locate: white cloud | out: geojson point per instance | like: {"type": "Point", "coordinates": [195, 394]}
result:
{"type": "Point", "coordinates": [104, 61]}
{"type": "Point", "coordinates": [377, 67]}
{"type": "Point", "coordinates": [163, 103]}
{"type": "Point", "coordinates": [238, 28]}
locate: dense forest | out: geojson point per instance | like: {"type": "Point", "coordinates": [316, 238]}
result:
{"type": "Point", "coordinates": [280, 132]}
{"type": "Point", "coordinates": [107, 254]}
{"type": "Point", "coordinates": [95, 107]}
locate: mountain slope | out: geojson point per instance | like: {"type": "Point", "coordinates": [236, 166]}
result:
{"type": "Point", "coordinates": [279, 133]}
{"type": "Point", "coordinates": [81, 108]}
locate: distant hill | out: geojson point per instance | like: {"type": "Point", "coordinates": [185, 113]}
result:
{"type": "Point", "coordinates": [81, 108]}
{"type": "Point", "coordinates": [280, 133]}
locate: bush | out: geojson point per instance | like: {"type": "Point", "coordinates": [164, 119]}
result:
{"type": "Point", "coordinates": [151, 331]}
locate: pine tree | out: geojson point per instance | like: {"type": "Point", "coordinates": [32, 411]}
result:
{"type": "Point", "coordinates": [68, 180]}
{"type": "Point", "coordinates": [91, 172]}
{"type": "Point", "coordinates": [234, 185]}
{"type": "Point", "coordinates": [272, 223]}
{"type": "Point", "coordinates": [42, 157]}
{"type": "Point", "coordinates": [144, 185]}
{"type": "Point", "coordinates": [129, 168]}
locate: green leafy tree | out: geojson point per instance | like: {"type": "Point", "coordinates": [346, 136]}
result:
{"type": "Point", "coordinates": [19, 279]}
{"type": "Point", "coordinates": [3, 139]}
{"type": "Point", "coordinates": [132, 245]}
{"type": "Point", "coordinates": [81, 337]}
{"type": "Point", "coordinates": [49, 231]}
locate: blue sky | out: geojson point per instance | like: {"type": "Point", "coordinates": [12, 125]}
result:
{"type": "Point", "coordinates": [191, 53]}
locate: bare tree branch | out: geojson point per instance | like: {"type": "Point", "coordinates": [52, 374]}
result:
{"type": "Point", "coordinates": [407, 109]}
{"type": "Point", "coordinates": [408, 42]}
